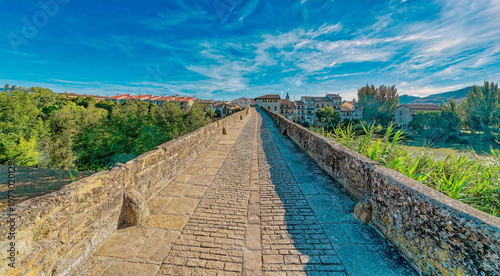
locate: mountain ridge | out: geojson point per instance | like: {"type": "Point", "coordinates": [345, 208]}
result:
{"type": "Point", "coordinates": [457, 95]}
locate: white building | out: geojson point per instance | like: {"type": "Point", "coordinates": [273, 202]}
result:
{"type": "Point", "coordinates": [243, 102]}
{"type": "Point", "coordinates": [271, 102]}
{"type": "Point", "coordinates": [403, 113]}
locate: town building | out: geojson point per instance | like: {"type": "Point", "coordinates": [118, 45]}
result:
{"type": "Point", "coordinates": [307, 111]}
{"type": "Point", "coordinates": [223, 109]}
{"type": "Point", "coordinates": [403, 113]}
{"type": "Point", "coordinates": [183, 102]}
{"type": "Point", "coordinates": [207, 104]}
{"type": "Point", "coordinates": [287, 107]}
{"type": "Point", "coordinates": [300, 115]}
{"type": "Point", "coordinates": [351, 110]}
{"type": "Point", "coordinates": [243, 102]}
{"type": "Point", "coordinates": [270, 101]}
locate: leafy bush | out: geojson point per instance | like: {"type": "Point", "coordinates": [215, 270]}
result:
{"type": "Point", "coordinates": [43, 129]}
{"type": "Point", "coordinates": [473, 181]}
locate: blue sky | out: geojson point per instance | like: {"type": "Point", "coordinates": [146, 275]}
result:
{"type": "Point", "coordinates": [224, 49]}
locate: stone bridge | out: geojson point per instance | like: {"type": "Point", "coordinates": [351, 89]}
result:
{"type": "Point", "coordinates": [252, 194]}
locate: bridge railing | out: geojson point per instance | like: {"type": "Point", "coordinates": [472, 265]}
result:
{"type": "Point", "coordinates": [441, 236]}
{"type": "Point", "coordinates": [55, 233]}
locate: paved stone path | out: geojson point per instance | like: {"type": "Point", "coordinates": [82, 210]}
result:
{"type": "Point", "coordinates": [253, 204]}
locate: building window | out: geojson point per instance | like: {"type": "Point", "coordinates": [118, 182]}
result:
{"type": "Point", "coordinates": [268, 108]}
{"type": "Point", "coordinates": [401, 113]}
{"type": "Point", "coordinates": [275, 108]}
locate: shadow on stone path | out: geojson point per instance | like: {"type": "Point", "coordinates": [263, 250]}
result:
{"type": "Point", "coordinates": [307, 220]}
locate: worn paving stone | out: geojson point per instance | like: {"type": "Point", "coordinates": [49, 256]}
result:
{"type": "Point", "coordinates": [252, 263]}
{"type": "Point", "coordinates": [175, 189]}
{"type": "Point", "coordinates": [167, 221]}
{"type": "Point", "coordinates": [184, 177]}
{"type": "Point", "coordinates": [158, 244]}
{"type": "Point", "coordinates": [211, 171]}
{"type": "Point", "coordinates": [308, 189]}
{"type": "Point", "coordinates": [338, 217]}
{"type": "Point", "coordinates": [362, 233]}
{"type": "Point", "coordinates": [305, 178]}
{"type": "Point", "coordinates": [196, 191]}
{"type": "Point", "coordinates": [252, 237]}
{"type": "Point", "coordinates": [123, 268]}
{"type": "Point", "coordinates": [158, 203]}
{"type": "Point", "coordinates": [125, 243]}
{"type": "Point", "coordinates": [201, 179]}
{"type": "Point", "coordinates": [353, 255]}
{"type": "Point", "coordinates": [336, 234]}
{"type": "Point", "coordinates": [181, 206]}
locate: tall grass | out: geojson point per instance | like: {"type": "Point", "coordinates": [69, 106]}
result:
{"type": "Point", "coordinates": [474, 181]}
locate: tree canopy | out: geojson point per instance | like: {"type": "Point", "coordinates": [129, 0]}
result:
{"type": "Point", "coordinates": [44, 129]}
{"type": "Point", "coordinates": [378, 103]}
{"type": "Point", "coordinates": [482, 106]}
{"type": "Point", "coordinates": [328, 117]}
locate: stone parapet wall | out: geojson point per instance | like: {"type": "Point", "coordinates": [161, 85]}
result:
{"type": "Point", "coordinates": [56, 232]}
{"type": "Point", "coordinates": [441, 236]}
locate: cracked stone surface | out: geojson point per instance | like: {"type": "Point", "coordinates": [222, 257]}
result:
{"type": "Point", "coordinates": [253, 204]}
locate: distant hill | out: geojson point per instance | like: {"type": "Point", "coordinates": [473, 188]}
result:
{"type": "Point", "coordinates": [458, 95]}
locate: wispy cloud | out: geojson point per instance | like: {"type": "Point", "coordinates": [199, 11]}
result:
{"type": "Point", "coordinates": [114, 42]}
{"type": "Point", "coordinates": [168, 19]}
{"type": "Point", "coordinates": [72, 82]}
{"type": "Point", "coordinates": [248, 9]}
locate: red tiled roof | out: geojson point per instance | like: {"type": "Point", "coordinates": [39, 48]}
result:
{"type": "Point", "coordinates": [119, 97]}
{"type": "Point", "coordinates": [423, 106]}
{"type": "Point", "coordinates": [165, 98]}
{"type": "Point", "coordinates": [187, 99]}
{"type": "Point", "coordinates": [269, 96]}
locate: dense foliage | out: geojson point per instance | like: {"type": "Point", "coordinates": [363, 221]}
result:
{"type": "Point", "coordinates": [479, 113]}
{"type": "Point", "coordinates": [443, 125]}
{"type": "Point", "coordinates": [44, 129]}
{"type": "Point", "coordinates": [378, 103]}
{"type": "Point", "coordinates": [473, 181]}
{"type": "Point", "coordinates": [328, 117]}
{"type": "Point", "coordinates": [482, 107]}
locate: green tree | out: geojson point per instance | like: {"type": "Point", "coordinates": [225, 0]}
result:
{"type": "Point", "coordinates": [328, 117]}
{"type": "Point", "coordinates": [195, 118]}
{"type": "Point", "coordinates": [482, 106]}
{"type": "Point", "coordinates": [378, 103]}
{"type": "Point", "coordinates": [210, 113]}
{"type": "Point", "coordinates": [108, 105]}
{"type": "Point", "coordinates": [20, 129]}
{"type": "Point", "coordinates": [6, 87]}
{"type": "Point", "coordinates": [443, 125]}
{"type": "Point", "coordinates": [64, 127]}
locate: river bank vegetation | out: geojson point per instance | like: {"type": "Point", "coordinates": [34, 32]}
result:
{"type": "Point", "coordinates": [39, 128]}
{"type": "Point", "coordinates": [474, 181]}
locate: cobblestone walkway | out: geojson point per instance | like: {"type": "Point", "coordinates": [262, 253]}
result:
{"type": "Point", "coordinates": [253, 204]}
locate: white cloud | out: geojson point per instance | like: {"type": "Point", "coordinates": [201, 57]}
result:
{"type": "Point", "coordinates": [248, 9]}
